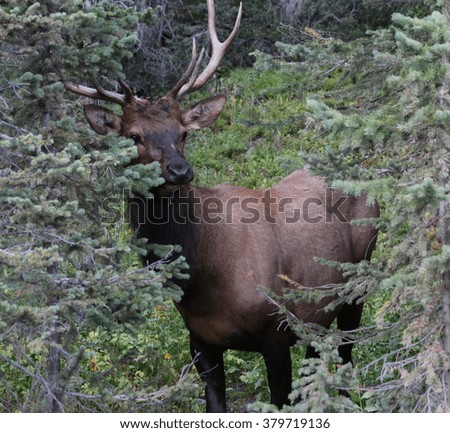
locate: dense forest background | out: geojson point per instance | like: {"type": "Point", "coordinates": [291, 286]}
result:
{"type": "Point", "coordinates": [358, 90]}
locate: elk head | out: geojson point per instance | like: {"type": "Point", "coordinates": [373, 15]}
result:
{"type": "Point", "coordinates": [159, 128]}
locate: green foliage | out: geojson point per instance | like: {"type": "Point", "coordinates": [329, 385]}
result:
{"type": "Point", "coordinates": [59, 43]}
{"type": "Point", "coordinates": [63, 270]}
{"type": "Point", "coordinates": [320, 379]}
{"type": "Point", "coordinates": [152, 358]}
{"type": "Point", "coordinates": [69, 268]}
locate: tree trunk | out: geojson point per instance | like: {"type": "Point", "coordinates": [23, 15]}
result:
{"type": "Point", "coordinates": [443, 220]}
{"type": "Point", "coordinates": [446, 300]}
{"type": "Point", "coordinates": [445, 297]}
{"type": "Point", "coordinates": [54, 392]}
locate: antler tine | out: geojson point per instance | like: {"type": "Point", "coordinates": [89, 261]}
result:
{"type": "Point", "coordinates": [218, 52]}
{"type": "Point", "coordinates": [187, 73]}
{"type": "Point", "coordinates": [112, 96]}
{"type": "Point", "coordinates": [194, 72]}
{"type": "Point", "coordinates": [100, 93]}
{"type": "Point", "coordinates": [129, 95]}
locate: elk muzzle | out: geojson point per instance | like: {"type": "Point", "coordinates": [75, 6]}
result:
{"type": "Point", "coordinates": [179, 171]}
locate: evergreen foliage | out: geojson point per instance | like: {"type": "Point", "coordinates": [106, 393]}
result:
{"type": "Point", "coordinates": [69, 268]}
{"type": "Point", "coordinates": [347, 19]}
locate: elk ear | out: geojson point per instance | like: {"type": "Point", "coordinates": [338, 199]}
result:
{"type": "Point", "coordinates": [204, 113]}
{"type": "Point", "coordinates": [102, 120]}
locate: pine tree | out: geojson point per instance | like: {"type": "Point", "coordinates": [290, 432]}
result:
{"type": "Point", "coordinates": [69, 268]}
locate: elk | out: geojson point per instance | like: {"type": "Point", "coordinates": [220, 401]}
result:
{"type": "Point", "coordinates": [234, 238]}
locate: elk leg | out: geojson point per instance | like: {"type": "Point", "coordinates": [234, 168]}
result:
{"type": "Point", "coordinates": [348, 319]}
{"type": "Point", "coordinates": [208, 360]}
{"type": "Point", "coordinates": [277, 357]}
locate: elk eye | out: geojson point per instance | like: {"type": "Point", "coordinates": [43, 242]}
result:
{"type": "Point", "coordinates": [135, 138]}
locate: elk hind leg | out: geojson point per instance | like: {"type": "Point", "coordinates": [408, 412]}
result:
{"type": "Point", "coordinates": [348, 319]}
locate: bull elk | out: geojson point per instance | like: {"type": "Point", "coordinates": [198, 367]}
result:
{"type": "Point", "coordinates": [234, 238]}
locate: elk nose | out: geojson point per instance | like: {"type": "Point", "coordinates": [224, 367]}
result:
{"type": "Point", "coordinates": [180, 172]}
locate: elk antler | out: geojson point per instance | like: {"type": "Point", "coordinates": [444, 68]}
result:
{"type": "Point", "coordinates": [100, 93]}
{"type": "Point", "coordinates": [191, 71]}
{"type": "Point", "coordinates": [218, 52]}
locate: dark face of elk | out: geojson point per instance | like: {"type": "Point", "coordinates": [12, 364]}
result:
{"type": "Point", "coordinates": [158, 130]}
{"type": "Point", "coordinates": [159, 135]}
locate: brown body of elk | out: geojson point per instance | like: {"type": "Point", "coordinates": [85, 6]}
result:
{"type": "Point", "coordinates": [236, 239]}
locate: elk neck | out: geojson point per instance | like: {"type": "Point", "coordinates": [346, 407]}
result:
{"type": "Point", "coordinates": [167, 219]}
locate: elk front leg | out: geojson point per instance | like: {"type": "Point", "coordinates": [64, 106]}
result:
{"type": "Point", "coordinates": [208, 360]}
{"type": "Point", "coordinates": [277, 356]}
